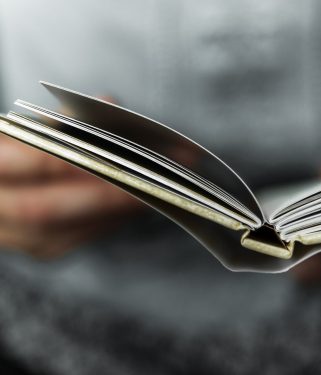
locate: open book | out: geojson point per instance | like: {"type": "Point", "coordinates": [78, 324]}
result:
{"type": "Point", "coordinates": [177, 177]}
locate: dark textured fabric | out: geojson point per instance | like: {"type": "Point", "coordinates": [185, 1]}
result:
{"type": "Point", "coordinates": [166, 309]}
{"type": "Point", "coordinates": [56, 337]}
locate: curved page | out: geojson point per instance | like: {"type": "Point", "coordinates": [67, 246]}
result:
{"type": "Point", "coordinates": [213, 233]}
{"type": "Point", "coordinates": [157, 137]}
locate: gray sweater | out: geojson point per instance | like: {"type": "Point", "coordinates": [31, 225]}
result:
{"type": "Point", "coordinates": [241, 77]}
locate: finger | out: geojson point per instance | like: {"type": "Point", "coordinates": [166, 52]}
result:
{"type": "Point", "coordinates": [51, 243]}
{"type": "Point", "coordinates": [108, 99]}
{"type": "Point", "coordinates": [18, 160]}
{"type": "Point", "coordinates": [61, 202]}
{"type": "Point", "coordinates": [21, 161]}
{"type": "Point", "coordinates": [309, 271]}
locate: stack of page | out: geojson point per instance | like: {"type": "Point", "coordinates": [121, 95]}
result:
{"type": "Point", "coordinates": [177, 177]}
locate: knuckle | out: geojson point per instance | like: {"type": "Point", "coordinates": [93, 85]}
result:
{"type": "Point", "coordinates": [45, 252]}
{"type": "Point", "coordinates": [29, 211]}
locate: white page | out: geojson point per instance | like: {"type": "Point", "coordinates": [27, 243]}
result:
{"type": "Point", "coordinates": [184, 172]}
{"type": "Point", "coordinates": [140, 129]}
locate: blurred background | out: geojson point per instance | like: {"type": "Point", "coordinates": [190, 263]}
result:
{"type": "Point", "coordinates": [240, 77]}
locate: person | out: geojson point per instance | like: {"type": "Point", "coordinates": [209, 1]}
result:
{"type": "Point", "coordinates": [222, 74]}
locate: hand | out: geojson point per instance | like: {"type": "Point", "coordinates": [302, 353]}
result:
{"type": "Point", "coordinates": [309, 271]}
{"type": "Point", "coordinates": [48, 206]}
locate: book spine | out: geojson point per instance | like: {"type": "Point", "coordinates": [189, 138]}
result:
{"type": "Point", "coordinates": [267, 241]}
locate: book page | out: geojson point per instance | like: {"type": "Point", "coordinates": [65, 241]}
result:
{"type": "Point", "coordinates": [158, 138]}
{"type": "Point", "coordinates": [276, 202]}
{"type": "Point", "coordinates": [140, 158]}
{"type": "Point", "coordinates": [212, 229]}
